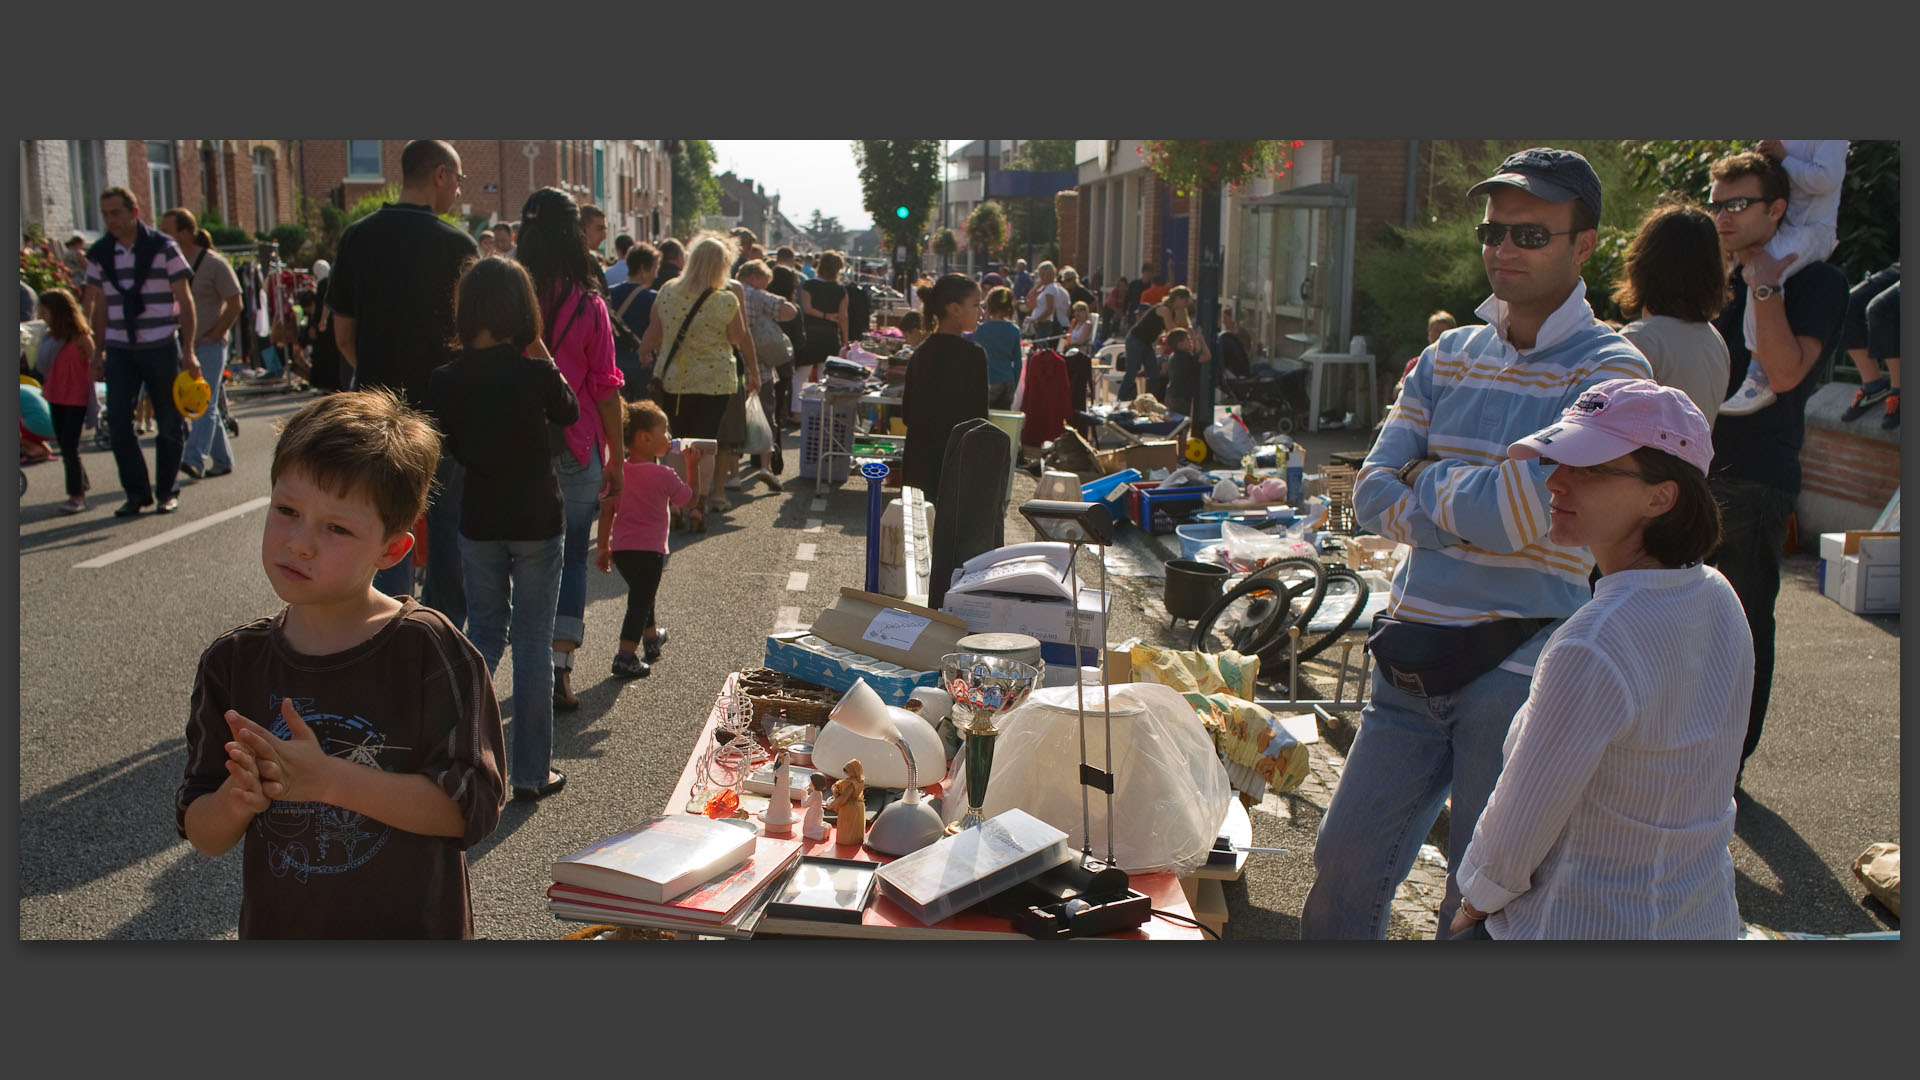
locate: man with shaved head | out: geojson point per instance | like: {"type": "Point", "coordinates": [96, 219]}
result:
{"type": "Point", "coordinates": [391, 292]}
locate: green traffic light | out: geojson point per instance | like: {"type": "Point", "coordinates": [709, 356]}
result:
{"type": "Point", "coordinates": [901, 213]}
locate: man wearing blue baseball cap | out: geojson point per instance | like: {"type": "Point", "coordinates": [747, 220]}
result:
{"type": "Point", "coordinates": [1484, 585]}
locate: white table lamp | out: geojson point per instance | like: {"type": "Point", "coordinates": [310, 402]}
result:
{"type": "Point", "coordinates": [910, 823]}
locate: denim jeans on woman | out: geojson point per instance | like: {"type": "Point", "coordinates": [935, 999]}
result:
{"type": "Point", "coordinates": [1411, 752]}
{"type": "Point", "coordinates": [207, 441]}
{"type": "Point", "coordinates": [580, 489]}
{"type": "Point", "coordinates": [443, 590]}
{"type": "Point", "coordinates": [512, 587]}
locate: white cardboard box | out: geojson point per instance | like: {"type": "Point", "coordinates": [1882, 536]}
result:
{"type": "Point", "coordinates": [1860, 571]}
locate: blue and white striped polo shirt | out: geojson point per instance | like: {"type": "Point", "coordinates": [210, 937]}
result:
{"type": "Point", "coordinates": [160, 318]}
{"type": "Point", "coordinates": [1477, 521]}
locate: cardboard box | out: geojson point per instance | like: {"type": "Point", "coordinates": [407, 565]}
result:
{"type": "Point", "coordinates": [786, 654]}
{"type": "Point", "coordinates": [1158, 454]}
{"type": "Point", "coordinates": [1860, 570]}
{"type": "Point", "coordinates": [895, 631]}
{"type": "Point", "coordinates": [1050, 621]}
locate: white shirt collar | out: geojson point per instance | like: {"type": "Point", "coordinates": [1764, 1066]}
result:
{"type": "Point", "coordinates": [1574, 314]}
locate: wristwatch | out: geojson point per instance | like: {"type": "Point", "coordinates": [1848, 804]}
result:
{"type": "Point", "coordinates": [1402, 472]}
{"type": "Point", "coordinates": [1765, 292]}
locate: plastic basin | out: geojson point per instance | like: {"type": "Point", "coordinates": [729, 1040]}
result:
{"type": "Point", "coordinates": [1196, 536]}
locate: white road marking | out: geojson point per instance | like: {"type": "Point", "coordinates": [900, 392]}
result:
{"type": "Point", "coordinates": [797, 581]}
{"type": "Point", "coordinates": [787, 620]}
{"type": "Point", "coordinates": [188, 529]}
{"type": "Point", "coordinates": [804, 553]}
{"type": "Point", "coordinates": [813, 525]}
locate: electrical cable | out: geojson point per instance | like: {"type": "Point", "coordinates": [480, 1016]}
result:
{"type": "Point", "coordinates": [1204, 928]}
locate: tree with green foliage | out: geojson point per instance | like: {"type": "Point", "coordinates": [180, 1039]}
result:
{"type": "Point", "coordinates": [696, 190]}
{"type": "Point", "coordinates": [827, 232]}
{"type": "Point", "coordinates": [1045, 155]}
{"type": "Point", "coordinates": [899, 175]}
{"type": "Point", "coordinates": [987, 230]}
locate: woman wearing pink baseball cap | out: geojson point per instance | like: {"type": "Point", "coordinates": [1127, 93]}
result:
{"type": "Point", "coordinates": [1613, 811]}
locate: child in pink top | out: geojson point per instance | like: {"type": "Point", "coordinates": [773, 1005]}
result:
{"type": "Point", "coordinates": [633, 531]}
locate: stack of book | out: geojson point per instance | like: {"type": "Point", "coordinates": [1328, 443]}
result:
{"type": "Point", "coordinates": [677, 872]}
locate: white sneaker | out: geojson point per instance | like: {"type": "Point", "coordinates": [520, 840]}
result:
{"type": "Point", "coordinates": [1749, 399]}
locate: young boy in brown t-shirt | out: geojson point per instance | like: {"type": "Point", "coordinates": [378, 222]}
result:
{"type": "Point", "coordinates": [352, 739]}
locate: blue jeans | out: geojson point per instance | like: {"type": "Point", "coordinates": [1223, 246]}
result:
{"type": "Point", "coordinates": [128, 371]}
{"type": "Point", "coordinates": [515, 583]}
{"type": "Point", "coordinates": [580, 489]}
{"type": "Point", "coordinates": [443, 590]}
{"type": "Point", "coordinates": [1410, 753]}
{"type": "Point", "coordinates": [207, 442]}
{"type": "Point", "coordinates": [1138, 366]}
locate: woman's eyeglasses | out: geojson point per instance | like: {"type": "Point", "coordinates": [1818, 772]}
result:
{"type": "Point", "coordinates": [1529, 236]}
{"type": "Point", "coordinates": [1592, 470]}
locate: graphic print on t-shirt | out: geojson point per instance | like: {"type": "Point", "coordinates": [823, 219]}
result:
{"type": "Point", "coordinates": [305, 838]}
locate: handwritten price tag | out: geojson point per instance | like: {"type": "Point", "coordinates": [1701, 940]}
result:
{"type": "Point", "coordinates": [896, 629]}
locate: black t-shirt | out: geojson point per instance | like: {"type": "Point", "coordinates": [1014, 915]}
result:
{"type": "Point", "coordinates": [825, 296]}
{"type": "Point", "coordinates": [1764, 447]}
{"type": "Point", "coordinates": [495, 405]}
{"type": "Point", "coordinates": [946, 386]}
{"type": "Point", "coordinates": [395, 275]}
{"type": "Point", "coordinates": [1134, 291]}
{"type": "Point", "coordinates": [1080, 294]}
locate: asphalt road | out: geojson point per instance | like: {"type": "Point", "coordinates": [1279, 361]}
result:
{"type": "Point", "coordinates": [107, 657]}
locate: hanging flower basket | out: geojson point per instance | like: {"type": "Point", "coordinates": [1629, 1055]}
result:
{"type": "Point", "coordinates": [1228, 163]}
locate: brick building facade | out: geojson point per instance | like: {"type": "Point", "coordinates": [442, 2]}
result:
{"type": "Point", "coordinates": [627, 178]}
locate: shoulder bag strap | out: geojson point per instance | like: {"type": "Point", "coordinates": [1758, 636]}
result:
{"type": "Point", "coordinates": [681, 336]}
{"type": "Point", "coordinates": [627, 303]}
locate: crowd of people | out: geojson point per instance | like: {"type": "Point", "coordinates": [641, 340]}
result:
{"type": "Point", "coordinates": [1586, 505]}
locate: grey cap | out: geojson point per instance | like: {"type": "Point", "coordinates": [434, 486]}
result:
{"type": "Point", "coordinates": [1554, 175]}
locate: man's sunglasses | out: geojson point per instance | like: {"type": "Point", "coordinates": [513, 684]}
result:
{"type": "Point", "coordinates": [1732, 206]}
{"type": "Point", "coordinates": [1529, 236]}
{"type": "Point", "coordinates": [1592, 470]}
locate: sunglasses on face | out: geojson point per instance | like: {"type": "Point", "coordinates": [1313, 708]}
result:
{"type": "Point", "coordinates": [1732, 206]}
{"type": "Point", "coordinates": [1591, 471]}
{"type": "Point", "coordinates": [1528, 236]}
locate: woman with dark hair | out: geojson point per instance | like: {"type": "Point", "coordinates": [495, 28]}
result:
{"type": "Point", "coordinates": [496, 404]}
{"type": "Point", "coordinates": [1674, 285]}
{"type": "Point", "coordinates": [947, 380]}
{"type": "Point", "coordinates": [588, 454]}
{"type": "Point", "coordinates": [823, 301]}
{"type": "Point", "coordinates": [786, 286]}
{"type": "Point", "coordinates": [1614, 808]}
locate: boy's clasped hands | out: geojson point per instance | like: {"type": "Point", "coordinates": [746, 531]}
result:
{"type": "Point", "coordinates": [262, 768]}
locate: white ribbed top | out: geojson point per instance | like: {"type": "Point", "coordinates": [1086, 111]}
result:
{"type": "Point", "coordinates": [1614, 809]}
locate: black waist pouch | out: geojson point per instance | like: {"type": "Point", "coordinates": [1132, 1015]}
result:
{"type": "Point", "coordinates": [1426, 660]}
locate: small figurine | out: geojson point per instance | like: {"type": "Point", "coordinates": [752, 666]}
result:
{"type": "Point", "coordinates": [850, 807]}
{"type": "Point", "coordinates": [814, 823]}
{"type": "Point", "coordinates": [779, 815]}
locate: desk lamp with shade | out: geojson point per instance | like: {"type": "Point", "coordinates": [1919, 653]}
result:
{"type": "Point", "coordinates": [1088, 896]}
{"type": "Point", "coordinates": [909, 823]}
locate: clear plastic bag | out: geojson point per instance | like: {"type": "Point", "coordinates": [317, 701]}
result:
{"type": "Point", "coordinates": [759, 438]}
{"type": "Point", "coordinates": [1170, 788]}
{"type": "Point", "coordinates": [1249, 548]}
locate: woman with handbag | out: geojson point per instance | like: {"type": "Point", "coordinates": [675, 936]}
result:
{"type": "Point", "coordinates": [1614, 806]}
{"type": "Point", "coordinates": [697, 323]}
{"type": "Point", "coordinates": [587, 454]}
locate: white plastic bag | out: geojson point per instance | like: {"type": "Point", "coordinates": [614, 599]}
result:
{"type": "Point", "coordinates": [1229, 439]}
{"type": "Point", "coordinates": [759, 433]}
{"type": "Point", "coordinates": [1170, 789]}
{"type": "Point", "coordinates": [1251, 548]}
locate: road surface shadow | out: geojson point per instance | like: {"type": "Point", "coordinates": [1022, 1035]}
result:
{"type": "Point", "coordinates": [100, 822]}
{"type": "Point", "coordinates": [1812, 898]}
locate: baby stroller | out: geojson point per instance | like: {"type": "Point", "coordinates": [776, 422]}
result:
{"type": "Point", "coordinates": [1272, 397]}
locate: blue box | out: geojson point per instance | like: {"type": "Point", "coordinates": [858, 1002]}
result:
{"type": "Point", "coordinates": [786, 655]}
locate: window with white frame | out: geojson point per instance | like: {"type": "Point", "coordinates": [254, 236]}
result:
{"type": "Point", "coordinates": [264, 217]}
{"type": "Point", "coordinates": [87, 173]}
{"type": "Point", "coordinates": [363, 157]}
{"type": "Point", "coordinates": [163, 185]}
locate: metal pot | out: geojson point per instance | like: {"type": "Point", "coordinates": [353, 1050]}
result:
{"type": "Point", "coordinates": [1192, 587]}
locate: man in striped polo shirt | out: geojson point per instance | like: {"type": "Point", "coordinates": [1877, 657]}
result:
{"type": "Point", "coordinates": [1484, 586]}
{"type": "Point", "coordinates": [138, 299]}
